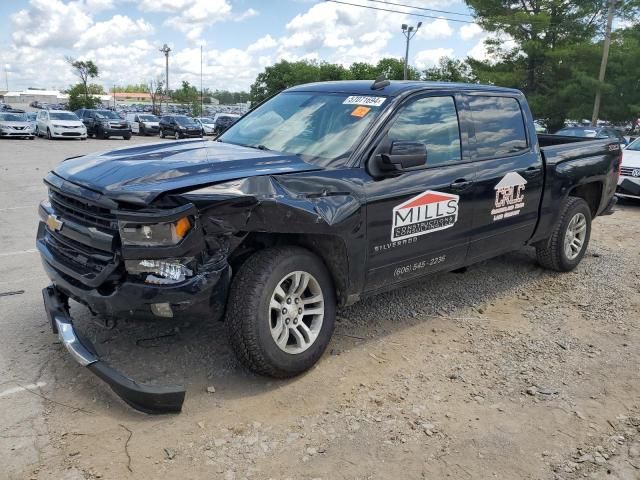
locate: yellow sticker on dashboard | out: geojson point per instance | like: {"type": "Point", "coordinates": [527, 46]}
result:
{"type": "Point", "coordinates": [360, 111]}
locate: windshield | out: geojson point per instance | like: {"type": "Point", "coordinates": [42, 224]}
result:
{"type": "Point", "coordinates": [635, 145]}
{"type": "Point", "coordinates": [107, 114]}
{"type": "Point", "coordinates": [206, 120]}
{"type": "Point", "coordinates": [11, 117]}
{"type": "Point", "coordinates": [184, 121]}
{"type": "Point", "coordinates": [578, 132]}
{"type": "Point", "coordinates": [148, 118]}
{"type": "Point", "coordinates": [63, 116]}
{"type": "Point", "coordinates": [320, 127]}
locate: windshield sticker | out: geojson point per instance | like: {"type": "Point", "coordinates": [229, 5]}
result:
{"type": "Point", "coordinates": [509, 196]}
{"type": "Point", "coordinates": [363, 100]}
{"type": "Point", "coordinates": [360, 111]}
{"type": "Point", "coordinates": [427, 212]}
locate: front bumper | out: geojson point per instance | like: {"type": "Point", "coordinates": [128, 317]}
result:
{"type": "Point", "coordinates": [70, 133]}
{"type": "Point", "coordinates": [117, 132]}
{"type": "Point", "coordinates": [17, 134]}
{"type": "Point", "coordinates": [146, 398]}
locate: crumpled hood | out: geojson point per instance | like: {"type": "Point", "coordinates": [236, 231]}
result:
{"type": "Point", "coordinates": [140, 174]}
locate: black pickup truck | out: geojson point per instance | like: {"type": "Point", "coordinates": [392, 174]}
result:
{"type": "Point", "coordinates": [322, 195]}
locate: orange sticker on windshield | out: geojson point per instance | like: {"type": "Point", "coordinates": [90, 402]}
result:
{"type": "Point", "coordinates": [360, 111]}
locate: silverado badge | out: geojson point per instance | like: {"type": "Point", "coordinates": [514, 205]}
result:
{"type": "Point", "coordinates": [54, 223]}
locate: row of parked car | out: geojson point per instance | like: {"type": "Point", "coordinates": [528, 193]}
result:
{"type": "Point", "coordinates": [100, 123]}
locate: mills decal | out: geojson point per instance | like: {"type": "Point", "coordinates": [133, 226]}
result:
{"type": "Point", "coordinates": [427, 212]}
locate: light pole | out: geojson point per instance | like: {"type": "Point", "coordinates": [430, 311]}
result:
{"type": "Point", "coordinates": [409, 32]}
{"type": "Point", "coordinates": [165, 49]}
{"type": "Point", "coordinates": [603, 64]}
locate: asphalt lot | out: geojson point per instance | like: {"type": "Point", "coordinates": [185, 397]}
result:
{"type": "Point", "coordinates": [505, 371]}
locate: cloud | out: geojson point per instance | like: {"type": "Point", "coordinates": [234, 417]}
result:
{"type": "Point", "coordinates": [428, 58]}
{"type": "Point", "coordinates": [49, 23]}
{"type": "Point", "coordinates": [263, 43]}
{"type": "Point", "coordinates": [117, 28]}
{"type": "Point", "coordinates": [467, 32]}
{"type": "Point", "coordinates": [248, 13]}
{"type": "Point", "coordinates": [439, 28]}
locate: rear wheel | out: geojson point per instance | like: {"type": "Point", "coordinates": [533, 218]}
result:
{"type": "Point", "coordinates": [570, 237]}
{"type": "Point", "coordinates": [281, 311]}
{"type": "Point", "coordinates": [161, 133]}
{"type": "Point", "coordinates": [127, 137]}
{"type": "Point", "coordinates": [49, 134]}
{"type": "Point", "coordinates": [177, 135]}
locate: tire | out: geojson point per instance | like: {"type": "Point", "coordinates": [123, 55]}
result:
{"type": "Point", "coordinates": [32, 138]}
{"type": "Point", "coordinates": [141, 132]}
{"type": "Point", "coordinates": [37, 132]}
{"type": "Point", "coordinates": [84, 139]}
{"type": "Point", "coordinates": [127, 137]}
{"type": "Point", "coordinates": [253, 324]}
{"type": "Point", "coordinates": [161, 133]}
{"type": "Point", "coordinates": [556, 253]}
{"type": "Point", "coordinates": [49, 134]}
{"type": "Point", "coordinates": [177, 135]}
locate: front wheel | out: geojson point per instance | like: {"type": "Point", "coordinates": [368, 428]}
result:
{"type": "Point", "coordinates": [49, 134]}
{"type": "Point", "coordinates": [281, 311]}
{"type": "Point", "coordinates": [177, 136]}
{"type": "Point", "coordinates": [127, 137]}
{"type": "Point", "coordinates": [570, 237]}
{"type": "Point", "coordinates": [161, 133]}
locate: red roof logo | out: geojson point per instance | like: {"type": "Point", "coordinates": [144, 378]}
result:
{"type": "Point", "coordinates": [427, 198]}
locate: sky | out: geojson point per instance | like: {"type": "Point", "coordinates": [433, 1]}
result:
{"type": "Point", "coordinates": [239, 38]}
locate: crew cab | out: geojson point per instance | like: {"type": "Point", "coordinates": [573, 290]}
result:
{"type": "Point", "coordinates": [323, 195]}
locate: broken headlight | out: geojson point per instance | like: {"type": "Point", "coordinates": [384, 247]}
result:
{"type": "Point", "coordinates": [154, 235]}
{"type": "Point", "coordinates": [161, 272]}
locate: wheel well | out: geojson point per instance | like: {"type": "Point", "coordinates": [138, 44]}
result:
{"type": "Point", "coordinates": [590, 193]}
{"type": "Point", "coordinates": [331, 250]}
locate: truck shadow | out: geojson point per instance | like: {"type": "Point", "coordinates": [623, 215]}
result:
{"type": "Point", "coordinates": [197, 355]}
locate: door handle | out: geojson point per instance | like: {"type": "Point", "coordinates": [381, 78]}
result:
{"type": "Point", "coordinates": [531, 171]}
{"type": "Point", "coordinates": [460, 184]}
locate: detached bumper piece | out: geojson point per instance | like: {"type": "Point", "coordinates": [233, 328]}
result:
{"type": "Point", "coordinates": [145, 398]}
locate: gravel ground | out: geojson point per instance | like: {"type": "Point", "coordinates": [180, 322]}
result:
{"type": "Point", "coordinates": [503, 371]}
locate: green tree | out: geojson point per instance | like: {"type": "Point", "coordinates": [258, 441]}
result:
{"type": "Point", "coordinates": [188, 96]}
{"type": "Point", "coordinates": [85, 70]}
{"type": "Point", "coordinates": [450, 70]}
{"type": "Point", "coordinates": [81, 96]}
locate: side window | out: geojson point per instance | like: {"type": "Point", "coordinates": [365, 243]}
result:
{"type": "Point", "coordinates": [499, 126]}
{"type": "Point", "coordinates": [434, 122]}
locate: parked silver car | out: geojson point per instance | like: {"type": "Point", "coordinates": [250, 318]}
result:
{"type": "Point", "coordinates": [15, 125]}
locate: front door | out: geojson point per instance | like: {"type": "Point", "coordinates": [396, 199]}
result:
{"type": "Point", "coordinates": [418, 221]}
{"type": "Point", "coordinates": [510, 178]}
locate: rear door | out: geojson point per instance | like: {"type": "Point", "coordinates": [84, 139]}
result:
{"type": "Point", "coordinates": [510, 176]}
{"type": "Point", "coordinates": [419, 221]}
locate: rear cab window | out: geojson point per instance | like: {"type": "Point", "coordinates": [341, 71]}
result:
{"type": "Point", "coordinates": [499, 126]}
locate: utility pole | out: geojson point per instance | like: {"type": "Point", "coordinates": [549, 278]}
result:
{"type": "Point", "coordinates": [603, 64]}
{"type": "Point", "coordinates": [165, 49]}
{"type": "Point", "coordinates": [201, 89]}
{"type": "Point", "coordinates": [409, 33]}
{"type": "Point", "coordinates": [6, 77]}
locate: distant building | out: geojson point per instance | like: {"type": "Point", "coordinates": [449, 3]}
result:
{"type": "Point", "coordinates": [34, 95]}
{"type": "Point", "coordinates": [131, 97]}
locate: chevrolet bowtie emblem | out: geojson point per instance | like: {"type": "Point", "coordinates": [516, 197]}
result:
{"type": "Point", "coordinates": [54, 223]}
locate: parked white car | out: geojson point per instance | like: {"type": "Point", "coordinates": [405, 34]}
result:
{"type": "Point", "coordinates": [629, 181]}
{"type": "Point", "coordinates": [60, 124]}
{"type": "Point", "coordinates": [15, 125]}
{"type": "Point", "coordinates": [143, 123]}
{"type": "Point", "coordinates": [208, 125]}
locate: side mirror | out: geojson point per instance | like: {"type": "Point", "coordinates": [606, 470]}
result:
{"type": "Point", "coordinates": [403, 155]}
